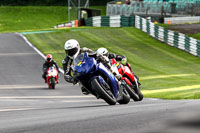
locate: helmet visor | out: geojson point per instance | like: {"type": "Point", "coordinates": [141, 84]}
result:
{"type": "Point", "coordinates": [107, 54]}
{"type": "Point", "coordinates": [48, 59]}
{"type": "Point", "coordinates": [71, 52]}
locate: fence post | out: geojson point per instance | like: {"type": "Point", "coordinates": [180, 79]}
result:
{"type": "Point", "coordinates": [175, 39]}
{"type": "Point", "coordinates": [105, 21]}
{"type": "Point", "coordinates": [140, 23]}
{"type": "Point", "coordinates": [198, 48]}
{"type": "Point", "coordinates": [166, 36]}
{"type": "Point", "coordinates": [132, 21]}
{"type": "Point", "coordinates": [156, 31]}
{"type": "Point", "coordinates": [187, 43]}
{"type": "Point", "coordinates": [148, 27]}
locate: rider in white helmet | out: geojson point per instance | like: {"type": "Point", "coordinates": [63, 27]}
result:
{"type": "Point", "coordinates": [104, 52]}
{"type": "Point", "coordinates": [122, 59]}
{"type": "Point", "coordinates": [72, 50]}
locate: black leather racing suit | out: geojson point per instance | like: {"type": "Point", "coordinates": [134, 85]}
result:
{"type": "Point", "coordinates": [46, 65]}
{"type": "Point", "coordinates": [117, 57]}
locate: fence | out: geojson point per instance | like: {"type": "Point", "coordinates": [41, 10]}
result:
{"type": "Point", "coordinates": [153, 8]}
{"type": "Point", "coordinates": [180, 20]}
{"type": "Point", "coordinates": [169, 37]}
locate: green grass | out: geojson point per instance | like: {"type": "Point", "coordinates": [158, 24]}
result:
{"type": "Point", "coordinates": [164, 71]}
{"type": "Point", "coordinates": [29, 18]}
{"type": "Point", "coordinates": [164, 25]}
{"type": "Point", "coordinates": [196, 36]}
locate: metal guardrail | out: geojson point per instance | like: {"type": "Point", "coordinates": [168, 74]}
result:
{"type": "Point", "coordinates": [182, 20]}
{"type": "Point", "coordinates": [111, 21]}
{"type": "Point", "coordinates": [175, 39]}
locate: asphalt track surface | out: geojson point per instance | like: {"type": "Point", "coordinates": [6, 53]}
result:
{"type": "Point", "coordinates": [28, 106]}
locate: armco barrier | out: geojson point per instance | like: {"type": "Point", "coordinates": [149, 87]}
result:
{"type": "Point", "coordinates": [178, 40]}
{"type": "Point", "coordinates": [169, 37]}
{"type": "Point", "coordinates": [111, 21]}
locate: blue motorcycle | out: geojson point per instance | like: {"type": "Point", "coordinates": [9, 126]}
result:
{"type": "Point", "coordinates": [98, 80]}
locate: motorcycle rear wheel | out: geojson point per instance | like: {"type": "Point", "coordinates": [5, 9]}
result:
{"type": "Point", "coordinates": [102, 92]}
{"type": "Point", "coordinates": [125, 97]}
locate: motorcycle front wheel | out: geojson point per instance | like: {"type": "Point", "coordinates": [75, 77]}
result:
{"type": "Point", "coordinates": [52, 82]}
{"type": "Point", "coordinates": [138, 91]}
{"type": "Point", "coordinates": [132, 93]}
{"type": "Point", "coordinates": [103, 92]}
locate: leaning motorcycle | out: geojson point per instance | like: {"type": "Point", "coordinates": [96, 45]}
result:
{"type": "Point", "coordinates": [131, 81]}
{"type": "Point", "coordinates": [52, 77]}
{"type": "Point", "coordinates": [98, 80]}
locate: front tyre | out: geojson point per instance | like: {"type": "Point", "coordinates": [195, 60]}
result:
{"type": "Point", "coordinates": [140, 96]}
{"type": "Point", "coordinates": [137, 89]}
{"type": "Point", "coordinates": [52, 83]}
{"type": "Point", "coordinates": [103, 92]}
{"type": "Point", "coordinates": [132, 93]}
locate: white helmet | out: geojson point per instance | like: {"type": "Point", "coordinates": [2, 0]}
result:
{"type": "Point", "coordinates": [72, 48]}
{"type": "Point", "coordinates": [102, 51]}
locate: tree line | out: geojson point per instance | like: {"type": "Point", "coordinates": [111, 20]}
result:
{"type": "Point", "coordinates": [46, 2]}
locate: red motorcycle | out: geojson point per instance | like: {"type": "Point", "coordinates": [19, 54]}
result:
{"type": "Point", "coordinates": [130, 80]}
{"type": "Point", "coordinates": [52, 77]}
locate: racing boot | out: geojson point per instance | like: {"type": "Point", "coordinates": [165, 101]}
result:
{"type": "Point", "coordinates": [84, 90]}
{"type": "Point", "coordinates": [118, 76]}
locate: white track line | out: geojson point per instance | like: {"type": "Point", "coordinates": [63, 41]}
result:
{"type": "Point", "coordinates": [37, 50]}
{"type": "Point", "coordinates": [16, 54]}
{"type": "Point", "coordinates": [80, 101]}
{"type": "Point", "coordinates": [43, 97]}
{"type": "Point", "coordinates": [11, 87]}
{"type": "Point", "coordinates": [20, 109]}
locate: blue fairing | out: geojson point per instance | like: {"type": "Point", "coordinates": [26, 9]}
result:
{"type": "Point", "coordinates": [87, 67]}
{"type": "Point", "coordinates": [102, 69]}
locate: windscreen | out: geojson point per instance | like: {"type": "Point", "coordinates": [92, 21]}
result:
{"type": "Point", "coordinates": [78, 59]}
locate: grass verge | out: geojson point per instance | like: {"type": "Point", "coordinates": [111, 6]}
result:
{"type": "Point", "coordinates": [196, 36]}
{"type": "Point", "coordinates": [30, 18]}
{"type": "Point", "coordinates": [164, 71]}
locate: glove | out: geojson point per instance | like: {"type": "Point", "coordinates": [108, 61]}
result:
{"type": "Point", "coordinates": [124, 61]}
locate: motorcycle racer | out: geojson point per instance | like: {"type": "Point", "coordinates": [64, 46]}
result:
{"type": "Point", "coordinates": [49, 62]}
{"type": "Point", "coordinates": [122, 59]}
{"type": "Point", "coordinates": [72, 50]}
{"type": "Point", "coordinates": [104, 52]}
